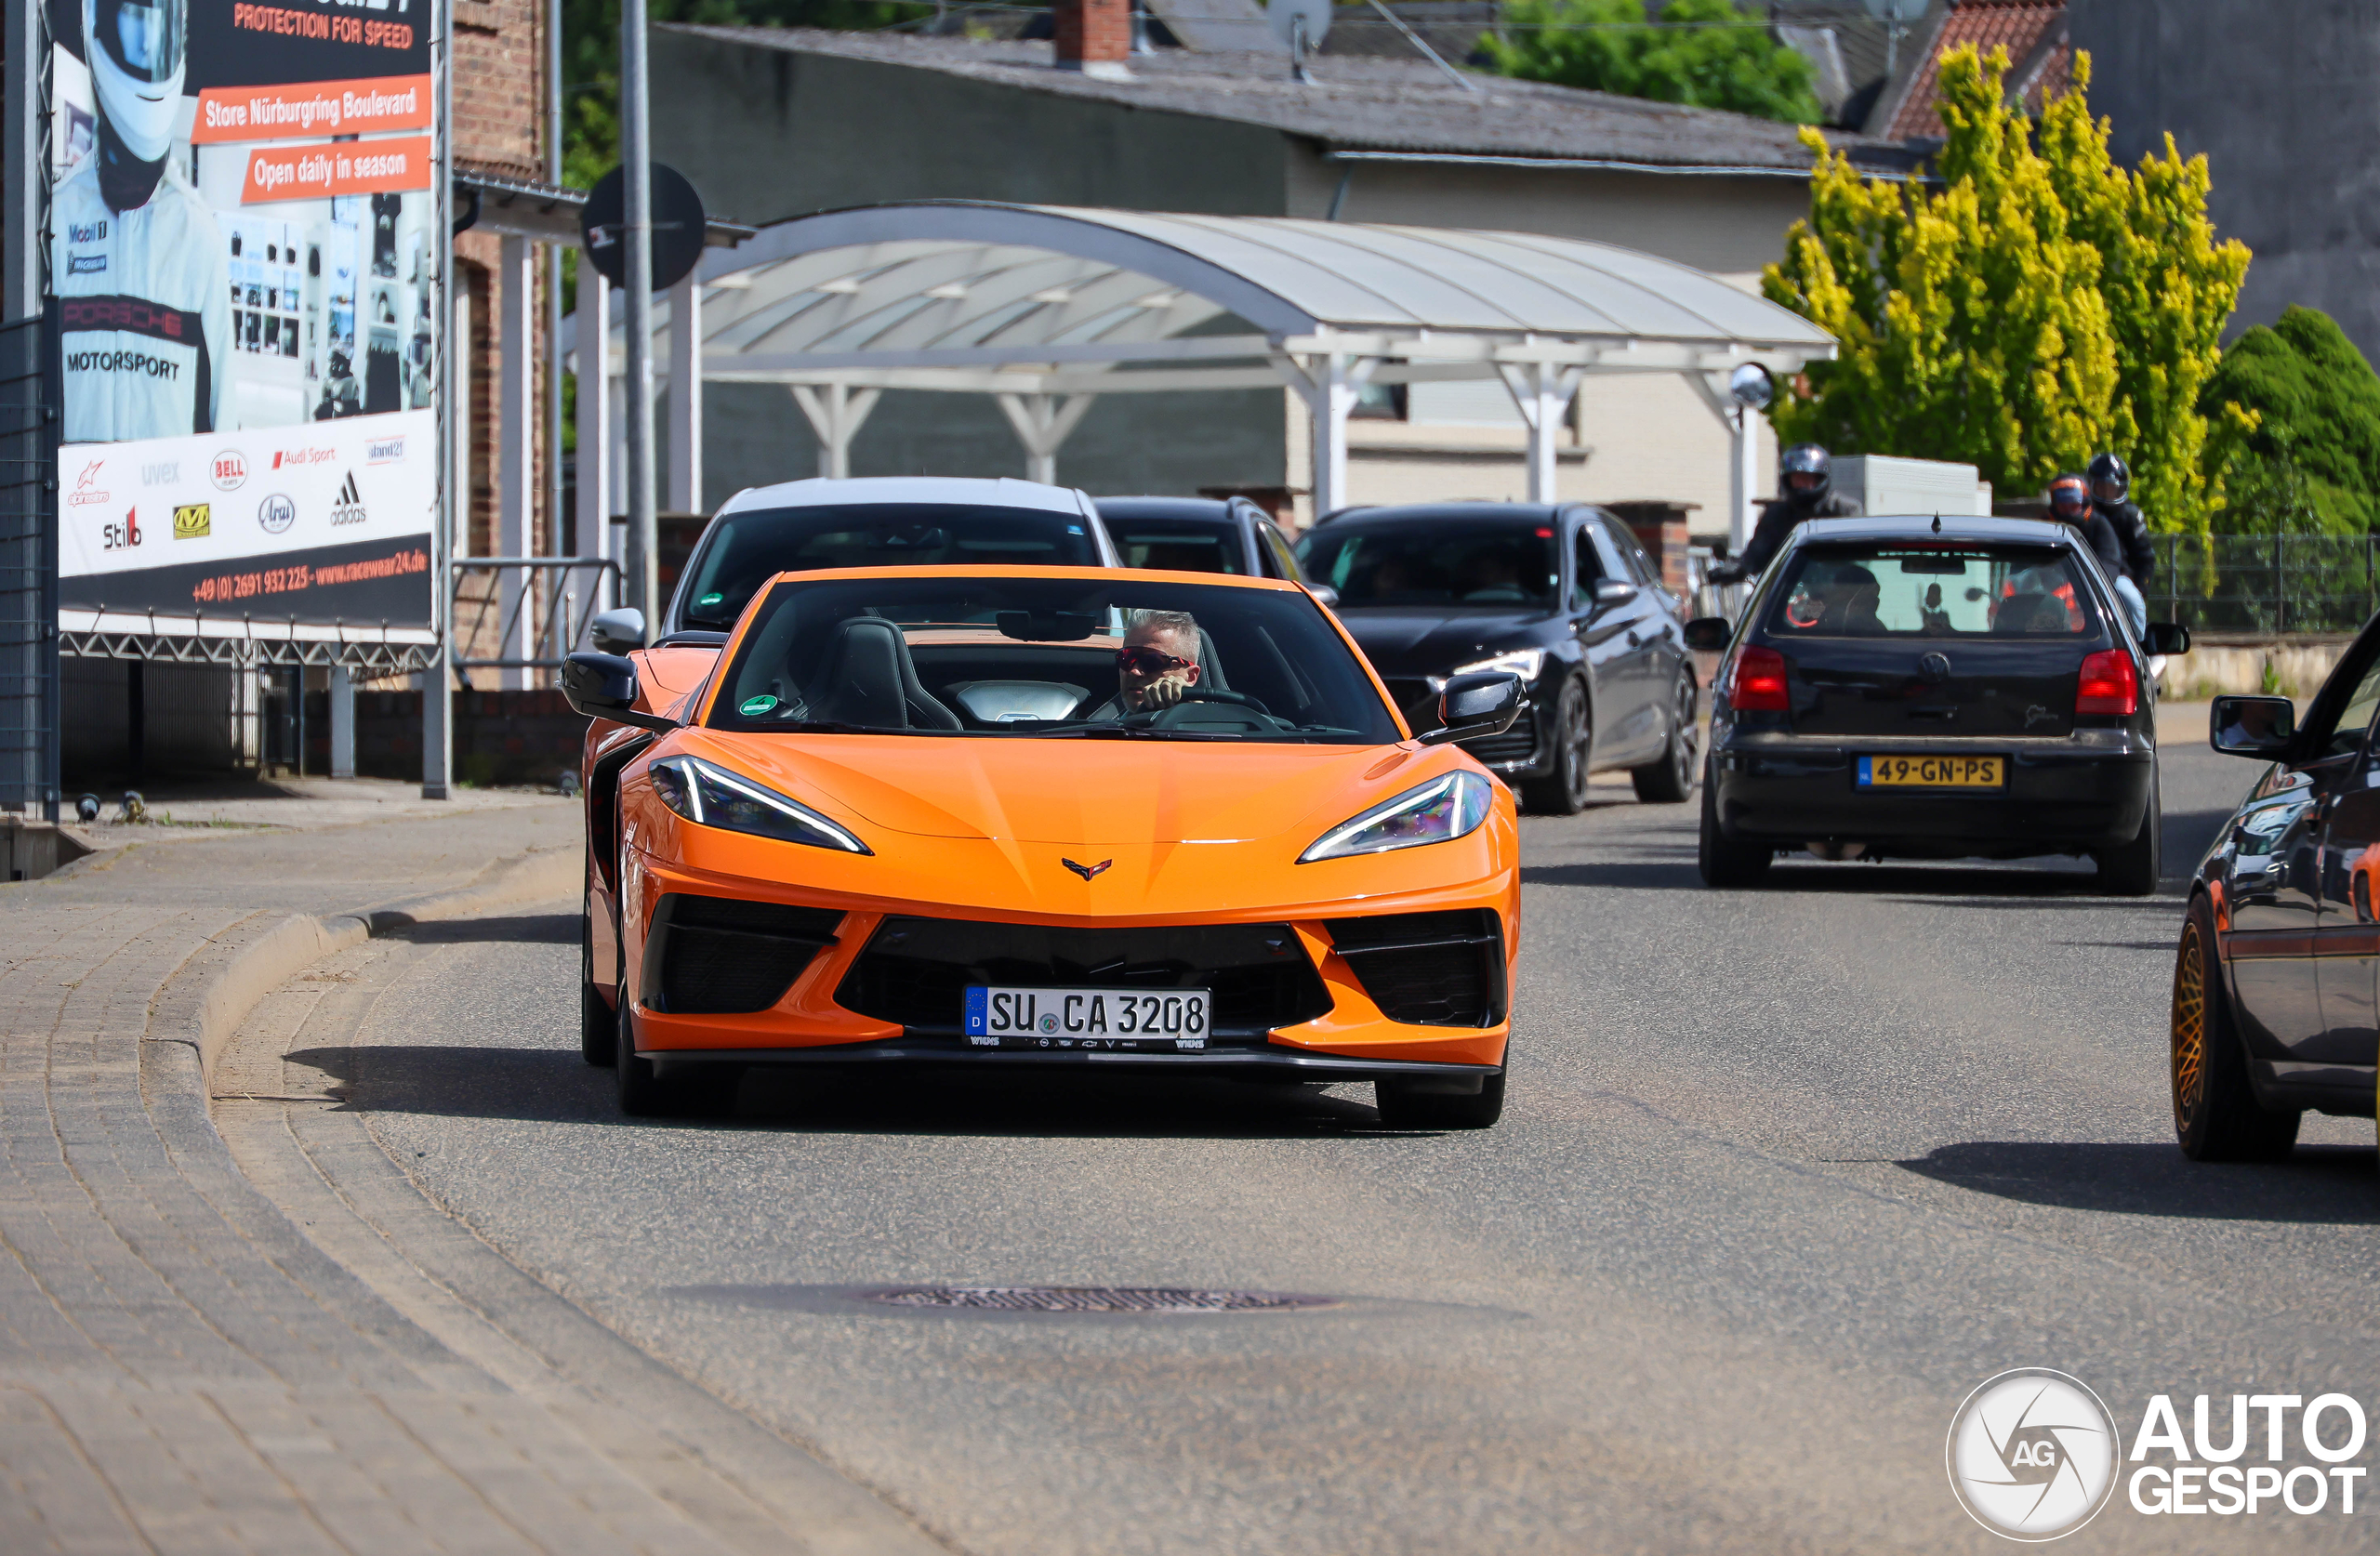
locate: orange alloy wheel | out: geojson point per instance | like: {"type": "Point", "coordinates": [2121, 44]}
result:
{"type": "Point", "coordinates": [2190, 1027]}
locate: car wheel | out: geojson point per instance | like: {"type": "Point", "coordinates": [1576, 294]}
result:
{"type": "Point", "coordinates": [2217, 1117]}
{"type": "Point", "coordinates": [1726, 861]}
{"type": "Point", "coordinates": [643, 1094]}
{"type": "Point", "coordinates": [2131, 869]}
{"type": "Point", "coordinates": [1404, 1106]}
{"type": "Point", "coordinates": [599, 1029]}
{"type": "Point", "coordinates": [1668, 780]}
{"type": "Point", "coordinates": [1563, 792]}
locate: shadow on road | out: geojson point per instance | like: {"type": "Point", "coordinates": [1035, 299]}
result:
{"type": "Point", "coordinates": [2322, 1184]}
{"type": "Point", "coordinates": [530, 928]}
{"type": "Point", "coordinates": [556, 1086]}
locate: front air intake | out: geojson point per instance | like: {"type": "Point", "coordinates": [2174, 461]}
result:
{"type": "Point", "coordinates": [720, 956]}
{"type": "Point", "coordinates": [1428, 968]}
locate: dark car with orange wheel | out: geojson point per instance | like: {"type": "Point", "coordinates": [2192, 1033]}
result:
{"type": "Point", "coordinates": [2276, 1009]}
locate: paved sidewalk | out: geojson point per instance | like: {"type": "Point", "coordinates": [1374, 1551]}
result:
{"type": "Point", "coordinates": [182, 1369]}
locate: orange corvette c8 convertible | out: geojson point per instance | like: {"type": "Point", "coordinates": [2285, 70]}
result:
{"type": "Point", "coordinates": [1029, 816]}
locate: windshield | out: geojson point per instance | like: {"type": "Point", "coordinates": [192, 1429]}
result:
{"type": "Point", "coordinates": [746, 550]}
{"type": "Point", "coordinates": [1040, 658]}
{"type": "Point", "coordinates": [1460, 561]}
{"type": "Point", "coordinates": [1179, 545]}
{"type": "Point", "coordinates": [1944, 590]}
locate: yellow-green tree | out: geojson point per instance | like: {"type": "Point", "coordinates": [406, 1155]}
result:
{"type": "Point", "coordinates": [2032, 305]}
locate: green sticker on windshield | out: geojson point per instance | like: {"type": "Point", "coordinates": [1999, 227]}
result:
{"type": "Point", "coordinates": [752, 707]}
{"type": "Point", "coordinates": [713, 598]}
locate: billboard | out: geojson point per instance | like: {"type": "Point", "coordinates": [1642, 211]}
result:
{"type": "Point", "coordinates": [246, 253]}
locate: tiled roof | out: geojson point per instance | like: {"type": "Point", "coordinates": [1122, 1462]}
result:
{"type": "Point", "coordinates": [2022, 27]}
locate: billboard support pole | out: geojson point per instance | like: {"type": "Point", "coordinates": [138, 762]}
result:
{"type": "Point", "coordinates": [24, 182]}
{"type": "Point", "coordinates": [454, 431]}
{"type": "Point", "coordinates": [636, 155]}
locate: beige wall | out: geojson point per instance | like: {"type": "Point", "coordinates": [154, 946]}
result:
{"type": "Point", "coordinates": [1633, 436]}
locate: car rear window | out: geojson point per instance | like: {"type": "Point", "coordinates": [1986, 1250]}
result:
{"type": "Point", "coordinates": [744, 550]}
{"type": "Point", "coordinates": [1938, 591]}
{"type": "Point", "coordinates": [1179, 545]}
{"type": "Point", "coordinates": [1462, 561]}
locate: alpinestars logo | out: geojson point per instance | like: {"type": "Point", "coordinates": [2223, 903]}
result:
{"type": "Point", "coordinates": [349, 507]}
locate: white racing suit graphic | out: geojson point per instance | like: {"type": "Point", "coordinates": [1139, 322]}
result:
{"type": "Point", "coordinates": [145, 308]}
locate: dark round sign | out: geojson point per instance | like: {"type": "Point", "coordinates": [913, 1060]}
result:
{"type": "Point", "coordinates": [678, 226]}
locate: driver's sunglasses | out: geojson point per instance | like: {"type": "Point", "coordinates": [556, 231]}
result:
{"type": "Point", "coordinates": [1145, 661]}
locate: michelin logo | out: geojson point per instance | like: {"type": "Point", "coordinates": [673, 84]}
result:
{"type": "Point", "coordinates": [86, 264]}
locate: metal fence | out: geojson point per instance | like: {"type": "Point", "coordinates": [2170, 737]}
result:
{"type": "Point", "coordinates": [29, 429]}
{"type": "Point", "coordinates": [2264, 585]}
{"type": "Point", "coordinates": [526, 612]}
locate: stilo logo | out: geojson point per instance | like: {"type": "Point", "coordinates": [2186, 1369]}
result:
{"type": "Point", "coordinates": [349, 507]}
{"type": "Point", "coordinates": [2032, 1455]}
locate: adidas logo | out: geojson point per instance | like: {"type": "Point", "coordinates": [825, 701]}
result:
{"type": "Point", "coordinates": [347, 508]}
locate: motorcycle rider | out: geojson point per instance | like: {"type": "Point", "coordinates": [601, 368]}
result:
{"type": "Point", "coordinates": [138, 266]}
{"type": "Point", "coordinates": [2119, 533]}
{"type": "Point", "coordinates": [1805, 491]}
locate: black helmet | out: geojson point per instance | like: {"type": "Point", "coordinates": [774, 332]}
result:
{"type": "Point", "coordinates": [1806, 459]}
{"type": "Point", "coordinates": [2110, 480]}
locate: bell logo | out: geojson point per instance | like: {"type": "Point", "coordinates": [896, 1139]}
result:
{"type": "Point", "coordinates": [2032, 1455]}
{"type": "Point", "coordinates": [347, 508]}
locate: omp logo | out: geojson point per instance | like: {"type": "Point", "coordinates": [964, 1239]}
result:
{"type": "Point", "coordinates": [87, 490]}
{"type": "Point", "coordinates": [294, 457]}
{"type": "Point", "coordinates": [87, 231]}
{"type": "Point", "coordinates": [349, 507]}
{"type": "Point", "coordinates": [118, 537]}
{"type": "Point", "coordinates": [384, 451]}
{"type": "Point", "coordinates": [165, 472]}
{"type": "Point", "coordinates": [276, 513]}
{"type": "Point", "coordinates": [228, 471]}
{"type": "Point", "coordinates": [2032, 1455]}
{"type": "Point", "coordinates": [193, 522]}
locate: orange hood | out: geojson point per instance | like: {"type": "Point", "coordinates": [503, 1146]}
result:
{"type": "Point", "coordinates": [1088, 792]}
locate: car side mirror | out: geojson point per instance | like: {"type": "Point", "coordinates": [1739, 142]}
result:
{"type": "Point", "coordinates": [1325, 593]}
{"type": "Point", "coordinates": [1611, 591]}
{"type": "Point", "coordinates": [1483, 703]}
{"type": "Point", "coordinates": [2264, 728]}
{"type": "Point", "coordinates": [1709, 633]}
{"type": "Point", "coordinates": [618, 631]}
{"type": "Point", "coordinates": [2166, 637]}
{"type": "Point", "coordinates": [604, 686]}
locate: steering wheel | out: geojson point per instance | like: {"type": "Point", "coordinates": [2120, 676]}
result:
{"type": "Point", "coordinates": [1165, 717]}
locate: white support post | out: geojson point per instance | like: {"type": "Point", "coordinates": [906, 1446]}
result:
{"type": "Point", "coordinates": [342, 700]}
{"type": "Point", "coordinates": [686, 397]}
{"type": "Point", "coordinates": [593, 370]}
{"type": "Point", "coordinates": [1330, 388]}
{"type": "Point", "coordinates": [1042, 423]}
{"type": "Point", "coordinates": [835, 413]}
{"type": "Point", "coordinates": [1542, 391]}
{"type": "Point", "coordinates": [1743, 454]}
{"type": "Point", "coordinates": [517, 447]}
{"type": "Point", "coordinates": [616, 528]}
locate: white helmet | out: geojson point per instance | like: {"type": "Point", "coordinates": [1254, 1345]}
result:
{"type": "Point", "coordinates": [138, 50]}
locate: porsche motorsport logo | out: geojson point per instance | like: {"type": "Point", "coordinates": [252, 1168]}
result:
{"type": "Point", "coordinates": [2032, 1455]}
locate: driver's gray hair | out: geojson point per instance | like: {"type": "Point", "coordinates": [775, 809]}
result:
{"type": "Point", "coordinates": [1180, 623]}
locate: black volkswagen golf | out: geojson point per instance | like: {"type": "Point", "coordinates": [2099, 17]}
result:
{"type": "Point", "coordinates": [1933, 688]}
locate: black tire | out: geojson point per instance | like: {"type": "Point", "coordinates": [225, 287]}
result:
{"type": "Point", "coordinates": [643, 1094]}
{"type": "Point", "coordinates": [1402, 1107]}
{"type": "Point", "coordinates": [1669, 779]}
{"type": "Point", "coordinates": [2133, 869]}
{"type": "Point", "coordinates": [1563, 792]}
{"type": "Point", "coordinates": [598, 1028]}
{"type": "Point", "coordinates": [1726, 861]}
{"type": "Point", "coordinates": [2217, 1117]}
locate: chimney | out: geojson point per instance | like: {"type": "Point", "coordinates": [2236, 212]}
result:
{"type": "Point", "coordinates": [1094, 37]}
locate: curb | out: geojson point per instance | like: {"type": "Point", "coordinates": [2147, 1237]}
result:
{"type": "Point", "coordinates": [253, 959]}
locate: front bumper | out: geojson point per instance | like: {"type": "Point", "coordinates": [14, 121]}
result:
{"type": "Point", "coordinates": [1268, 1063]}
{"type": "Point", "coordinates": [2061, 795]}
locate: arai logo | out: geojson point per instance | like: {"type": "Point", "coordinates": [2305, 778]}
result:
{"type": "Point", "coordinates": [2032, 1455]}
{"type": "Point", "coordinates": [276, 513]}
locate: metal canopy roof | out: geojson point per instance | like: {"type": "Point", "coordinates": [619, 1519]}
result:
{"type": "Point", "coordinates": [963, 296]}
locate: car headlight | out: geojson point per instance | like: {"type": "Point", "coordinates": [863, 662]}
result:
{"type": "Point", "coordinates": [1524, 663]}
{"type": "Point", "coordinates": [1438, 812]}
{"type": "Point", "coordinates": [709, 795]}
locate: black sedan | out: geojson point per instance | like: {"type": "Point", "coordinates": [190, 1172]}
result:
{"type": "Point", "coordinates": [1562, 596]}
{"type": "Point", "coordinates": [2277, 976]}
{"type": "Point", "coordinates": [1933, 688]}
{"type": "Point", "coordinates": [1200, 534]}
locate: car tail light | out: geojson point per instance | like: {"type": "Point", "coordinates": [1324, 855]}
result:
{"type": "Point", "coordinates": [2108, 684]}
{"type": "Point", "coordinates": [1758, 682]}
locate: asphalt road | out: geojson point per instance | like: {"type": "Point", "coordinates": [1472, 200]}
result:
{"type": "Point", "coordinates": [1784, 1174]}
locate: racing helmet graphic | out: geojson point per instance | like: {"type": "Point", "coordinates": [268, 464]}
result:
{"type": "Point", "coordinates": [138, 50]}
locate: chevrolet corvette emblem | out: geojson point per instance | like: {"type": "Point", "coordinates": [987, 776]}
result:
{"type": "Point", "coordinates": [1086, 870]}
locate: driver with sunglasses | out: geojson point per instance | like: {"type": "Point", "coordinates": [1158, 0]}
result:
{"type": "Point", "coordinates": [1158, 663]}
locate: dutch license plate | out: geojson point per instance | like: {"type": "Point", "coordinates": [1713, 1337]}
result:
{"type": "Point", "coordinates": [1120, 1019]}
{"type": "Point", "coordinates": [1932, 772]}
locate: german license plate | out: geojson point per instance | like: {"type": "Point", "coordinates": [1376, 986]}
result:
{"type": "Point", "coordinates": [1119, 1019]}
{"type": "Point", "coordinates": [1932, 772]}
